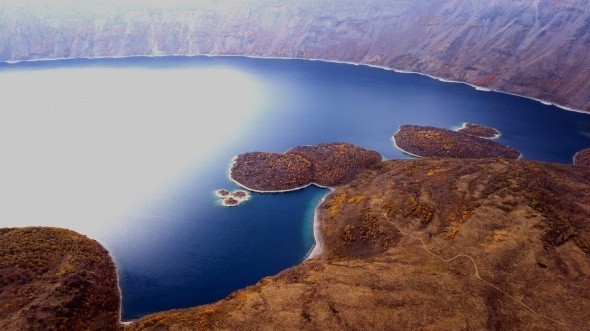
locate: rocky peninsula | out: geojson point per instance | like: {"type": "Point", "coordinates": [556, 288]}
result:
{"type": "Point", "coordinates": [479, 131]}
{"type": "Point", "coordinates": [56, 279]}
{"type": "Point", "coordinates": [428, 141]}
{"type": "Point", "coordinates": [327, 165]}
{"type": "Point", "coordinates": [582, 158]}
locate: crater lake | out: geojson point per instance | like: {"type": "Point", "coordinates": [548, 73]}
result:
{"type": "Point", "coordinates": [129, 151]}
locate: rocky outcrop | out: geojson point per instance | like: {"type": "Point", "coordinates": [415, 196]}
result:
{"type": "Point", "coordinates": [56, 279]}
{"type": "Point", "coordinates": [430, 244]}
{"type": "Point", "coordinates": [537, 48]}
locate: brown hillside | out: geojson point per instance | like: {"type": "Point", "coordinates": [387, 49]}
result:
{"type": "Point", "coordinates": [430, 244]}
{"type": "Point", "coordinates": [56, 279]}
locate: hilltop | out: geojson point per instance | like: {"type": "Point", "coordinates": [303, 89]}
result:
{"type": "Point", "coordinates": [56, 279]}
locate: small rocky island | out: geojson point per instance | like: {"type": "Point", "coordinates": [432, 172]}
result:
{"type": "Point", "coordinates": [582, 158]}
{"type": "Point", "coordinates": [479, 131]}
{"type": "Point", "coordinates": [329, 165]}
{"type": "Point", "coordinates": [231, 199]}
{"type": "Point", "coordinates": [428, 141]}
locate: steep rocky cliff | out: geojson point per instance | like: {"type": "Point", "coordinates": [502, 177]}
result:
{"type": "Point", "coordinates": [538, 48]}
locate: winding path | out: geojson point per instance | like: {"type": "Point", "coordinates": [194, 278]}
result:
{"type": "Point", "coordinates": [460, 255]}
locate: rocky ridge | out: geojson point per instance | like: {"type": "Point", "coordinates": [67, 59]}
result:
{"type": "Point", "coordinates": [539, 48]}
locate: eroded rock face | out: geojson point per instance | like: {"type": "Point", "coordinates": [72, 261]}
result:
{"type": "Point", "coordinates": [56, 279]}
{"type": "Point", "coordinates": [435, 244]}
{"type": "Point", "coordinates": [428, 141]}
{"type": "Point", "coordinates": [539, 49]}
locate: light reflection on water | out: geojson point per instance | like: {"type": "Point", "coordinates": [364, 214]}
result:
{"type": "Point", "coordinates": [83, 147]}
{"type": "Point", "coordinates": [129, 151]}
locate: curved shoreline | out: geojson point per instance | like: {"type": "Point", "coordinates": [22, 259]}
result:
{"type": "Point", "coordinates": [476, 87]}
{"type": "Point", "coordinates": [578, 164]}
{"type": "Point", "coordinates": [318, 248]}
{"type": "Point", "coordinates": [464, 126]}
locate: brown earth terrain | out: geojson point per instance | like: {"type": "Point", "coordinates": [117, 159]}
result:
{"type": "Point", "coordinates": [439, 244]}
{"type": "Point", "coordinates": [479, 130]}
{"type": "Point", "coordinates": [56, 279]}
{"type": "Point", "coordinates": [336, 163]}
{"type": "Point", "coordinates": [582, 158]}
{"type": "Point", "coordinates": [536, 48]}
{"type": "Point", "coordinates": [428, 141]}
{"type": "Point", "coordinates": [329, 165]}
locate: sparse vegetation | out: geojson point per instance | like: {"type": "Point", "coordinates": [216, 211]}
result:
{"type": "Point", "coordinates": [56, 279]}
{"type": "Point", "coordinates": [427, 141]}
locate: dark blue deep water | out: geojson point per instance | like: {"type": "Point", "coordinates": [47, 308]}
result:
{"type": "Point", "coordinates": [183, 249]}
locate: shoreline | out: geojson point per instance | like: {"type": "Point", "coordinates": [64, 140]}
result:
{"type": "Point", "coordinates": [318, 248]}
{"type": "Point", "coordinates": [476, 87]}
{"type": "Point", "coordinates": [464, 125]}
{"type": "Point", "coordinates": [401, 149]}
{"type": "Point", "coordinates": [228, 173]}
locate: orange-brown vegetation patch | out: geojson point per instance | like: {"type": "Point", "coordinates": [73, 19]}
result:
{"type": "Point", "coordinates": [271, 171]}
{"type": "Point", "coordinates": [336, 163]}
{"type": "Point", "coordinates": [479, 130]}
{"type": "Point", "coordinates": [323, 164]}
{"type": "Point", "coordinates": [56, 279]}
{"type": "Point", "coordinates": [427, 141]}
{"type": "Point", "coordinates": [582, 158]}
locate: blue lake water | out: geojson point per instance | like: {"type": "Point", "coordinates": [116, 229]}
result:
{"type": "Point", "coordinates": [129, 151]}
